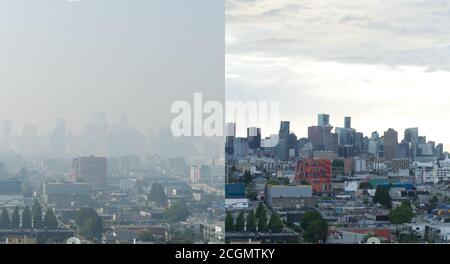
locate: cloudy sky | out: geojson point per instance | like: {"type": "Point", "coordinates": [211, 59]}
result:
{"type": "Point", "coordinates": [62, 59]}
{"type": "Point", "coordinates": [385, 63]}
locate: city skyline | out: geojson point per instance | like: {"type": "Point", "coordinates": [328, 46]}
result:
{"type": "Point", "coordinates": [385, 67]}
{"type": "Point", "coordinates": [241, 131]}
{"type": "Point", "coordinates": [65, 59]}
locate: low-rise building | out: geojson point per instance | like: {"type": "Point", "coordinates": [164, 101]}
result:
{"type": "Point", "coordinates": [289, 197]}
{"type": "Point", "coordinates": [64, 195]}
{"type": "Point", "coordinates": [439, 233]}
{"type": "Point", "coordinates": [20, 240]}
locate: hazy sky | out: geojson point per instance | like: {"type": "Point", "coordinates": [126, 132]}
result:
{"type": "Point", "coordinates": [62, 59]}
{"type": "Point", "coordinates": [385, 63]}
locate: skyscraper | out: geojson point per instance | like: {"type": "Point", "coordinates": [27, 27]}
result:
{"type": "Point", "coordinates": [282, 149]}
{"type": "Point", "coordinates": [29, 143]}
{"type": "Point", "coordinates": [6, 133]}
{"type": "Point", "coordinates": [58, 139]}
{"type": "Point", "coordinates": [390, 142]}
{"type": "Point", "coordinates": [284, 128]}
{"type": "Point", "coordinates": [321, 136]}
{"type": "Point", "coordinates": [412, 134]}
{"type": "Point", "coordinates": [348, 122]}
{"type": "Point", "coordinates": [241, 146]}
{"type": "Point", "coordinates": [254, 137]}
{"type": "Point", "coordinates": [323, 120]}
{"type": "Point", "coordinates": [412, 137]}
{"type": "Point", "coordinates": [230, 134]}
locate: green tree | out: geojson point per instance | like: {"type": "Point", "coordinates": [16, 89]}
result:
{"type": "Point", "coordinates": [410, 237]}
{"type": "Point", "coordinates": [304, 182]}
{"type": "Point", "coordinates": [37, 215]}
{"type": "Point", "coordinates": [15, 219]}
{"type": "Point", "coordinates": [275, 223]}
{"type": "Point", "coordinates": [382, 196]}
{"type": "Point", "coordinates": [177, 212]}
{"type": "Point", "coordinates": [365, 185]}
{"type": "Point", "coordinates": [26, 218]}
{"type": "Point", "coordinates": [240, 222]}
{"type": "Point", "coordinates": [89, 223]}
{"type": "Point", "coordinates": [316, 232]}
{"type": "Point", "coordinates": [261, 210]}
{"type": "Point", "coordinates": [247, 177]}
{"type": "Point", "coordinates": [157, 194]}
{"type": "Point", "coordinates": [401, 214]}
{"type": "Point", "coordinates": [337, 163]}
{"type": "Point", "coordinates": [92, 228]}
{"type": "Point", "coordinates": [251, 222]}
{"type": "Point", "coordinates": [273, 182]}
{"type": "Point", "coordinates": [262, 222]}
{"type": "Point", "coordinates": [5, 222]}
{"type": "Point", "coordinates": [229, 222]}
{"type": "Point", "coordinates": [84, 214]}
{"type": "Point", "coordinates": [337, 167]}
{"type": "Point", "coordinates": [433, 202]}
{"type": "Point", "coordinates": [308, 218]}
{"type": "Point", "coordinates": [146, 236]}
{"type": "Point", "coordinates": [50, 221]}
{"type": "Point", "coordinates": [251, 192]}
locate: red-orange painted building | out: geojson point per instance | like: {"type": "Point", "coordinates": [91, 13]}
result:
{"type": "Point", "coordinates": [317, 172]}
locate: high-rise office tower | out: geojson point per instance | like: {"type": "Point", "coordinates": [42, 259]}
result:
{"type": "Point", "coordinates": [347, 122]}
{"type": "Point", "coordinates": [230, 135]}
{"type": "Point", "coordinates": [375, 136]}
{"type": "Point", "coordinates": [6, 134]}
{"type": "Point", "coordinates": [315, 136]}
{"type": "Point", "coordinates": [412, 134]}
{"type": "Point", "coordinates": [241, 146]}
{"type": "Point", "coordinates": [390, 142]}
{"type": "Point", "coordinates": [321, 136]}
{"type": "Point", "coordinates": [29, 140]}
{"type": "Point", "coordinates": [282, 150]}
{"type": "Point", "coordinates": [412, 137]}
{"type": "Point", "coordinates": [346, 139]}
{"type": "Point", "coordinates": [254, 137]}
{"type": "Point", "coordinates": [58, 139]}
{"type": "Point", "coordinates": [323, 120]}
{"type": "Point", "coordinates": [358, 143]}
{"type": "Point", "coordinates": [403, 150]}
{"type": "Point", "coordinates": [284, 128]}
{"type": "Point", "coordinates": [439, 151]}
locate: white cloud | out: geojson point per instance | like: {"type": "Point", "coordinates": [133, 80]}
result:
{"type": "Point", "coordinates": [346, 30]}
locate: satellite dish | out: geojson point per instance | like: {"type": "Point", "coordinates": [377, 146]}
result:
{"type": "Point", "coordinates": [73, 240]}
{"type": "Point", "coordinates": [373, 240]}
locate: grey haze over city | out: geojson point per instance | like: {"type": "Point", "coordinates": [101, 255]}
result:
{"type": "Point", "coordinates": [87, 154]}
{"type": "Point", "coordinates": [385, 63]}
{"type": "Point", "coordinates": [115, 61]}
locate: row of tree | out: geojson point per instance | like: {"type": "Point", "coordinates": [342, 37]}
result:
{"type": "Point", "coordinates": [382, 196]}
{"type": "Point", "coordinates": [157, 195]}
{"type": "Point", "coordinates": [28, 219]}
{"type": "Point", "coordinates": [254, 222]}
{"type": "Point", "coordinates": [90, 224]}
{"type": "Point", "coordinates": [401, 214]}
{"type": "Point", "coordinates": [177, 212]}
{"type": "Point", "coordinates": [314, 227]}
